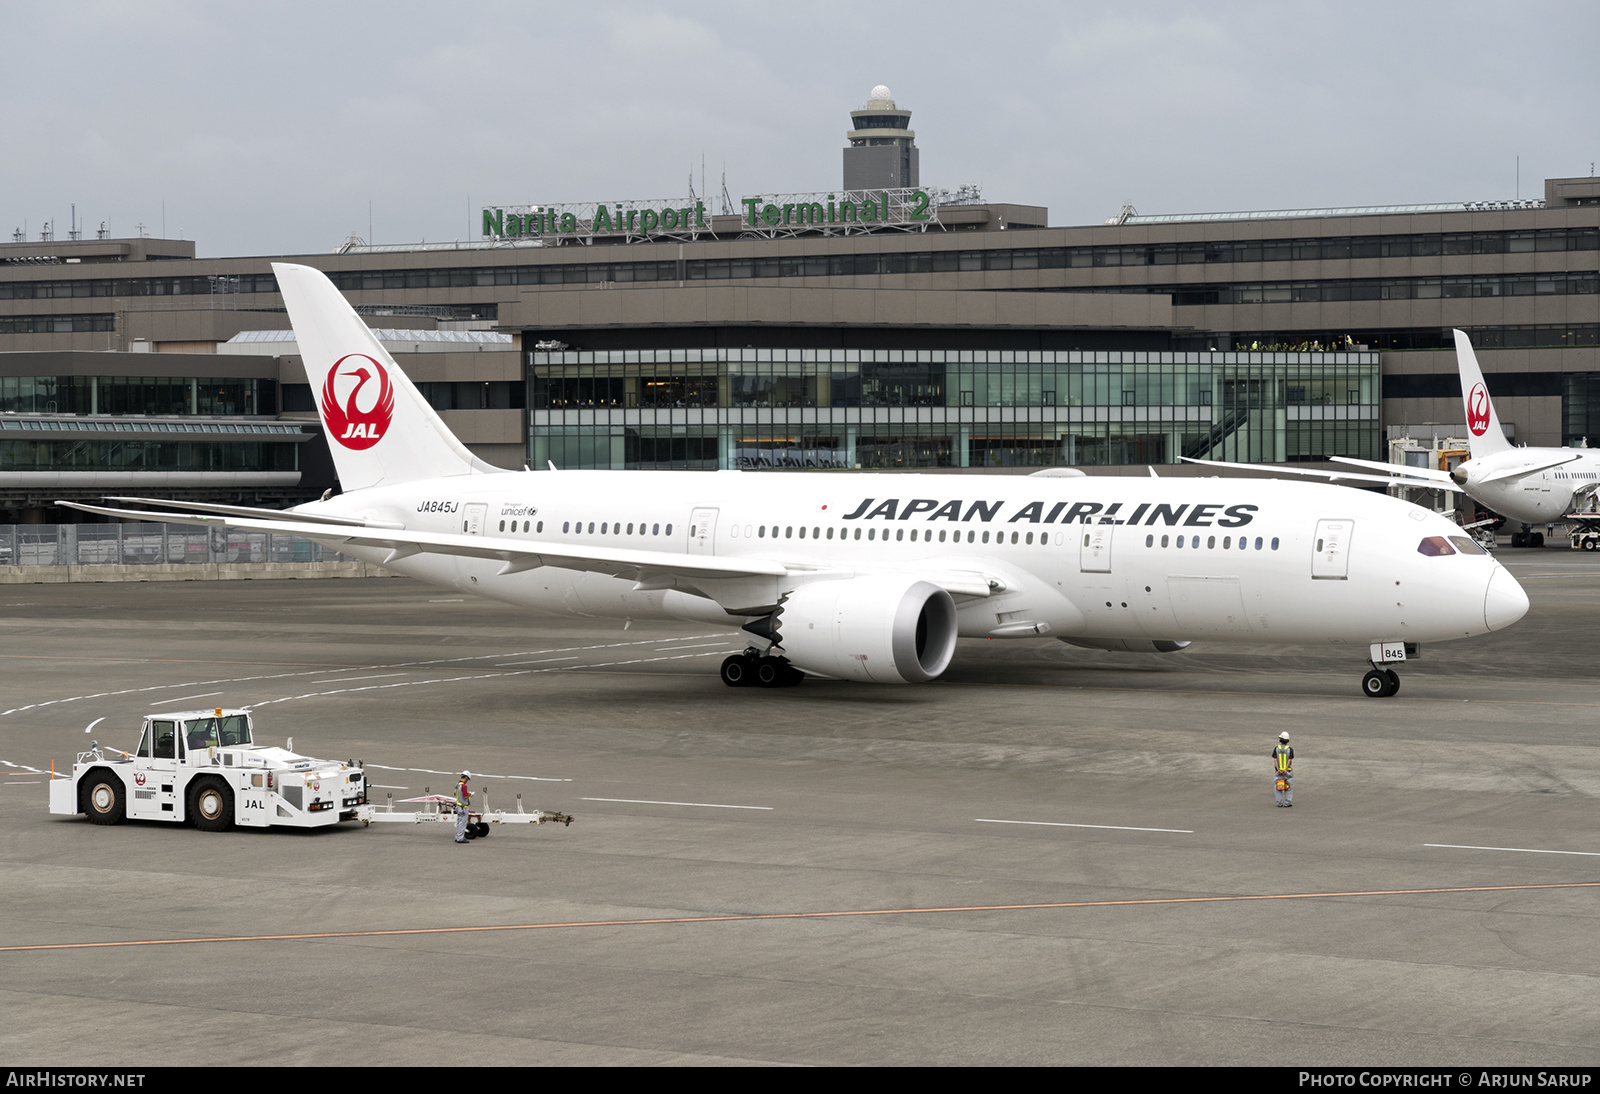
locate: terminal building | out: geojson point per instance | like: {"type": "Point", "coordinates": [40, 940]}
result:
{"type": "Point", "coordinates": [885, 324]}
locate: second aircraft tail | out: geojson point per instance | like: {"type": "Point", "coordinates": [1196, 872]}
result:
{"type": "Point", "coordinates": [1484, 435]}
{"type": "Point", "coordinates": [380, 429]}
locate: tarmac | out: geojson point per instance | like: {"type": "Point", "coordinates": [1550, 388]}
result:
{"type": "Point", "coordinates": [1048, 856]}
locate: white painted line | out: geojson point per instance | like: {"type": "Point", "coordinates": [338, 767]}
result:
{"type": "Point", "coordinates": [347, 679]}
{"type": "Point", "coordinates": [541, 661]}
{"type": "Point", "coordinates": [696, 646]}
{"type": "Point", "coordinates": [475, 774]}
{"type": "Point", "coordinates": [31, 782]}
{"type": "Point", "coordinates": [698, 805]}
{"type": "Point", "coordinates": [382, 786]}
{"type": "Point", "coordinates": [1063, 824]}
{"type": "Point", "coordinates": [182, 699]}
{"type": "Point", "coordinates": [1526, 850]}
{"type": "Point", "coordinates": [450, 600]}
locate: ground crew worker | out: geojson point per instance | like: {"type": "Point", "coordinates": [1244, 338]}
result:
{"type": "Point", "coordinates": [463, 799]}
{"type": "Point", "coordinates": [1283, 772]}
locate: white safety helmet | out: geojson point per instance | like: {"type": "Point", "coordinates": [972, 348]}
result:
{"type": "Point", "coordinates": [1284, 736]}
{"type": "Point", "coordinates": [468, 774]}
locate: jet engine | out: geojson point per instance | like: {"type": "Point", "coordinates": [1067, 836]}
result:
{"type": "Point", "coordinates": [880, 629]}
{"type": "Point", "coordinates": [1128, 645]}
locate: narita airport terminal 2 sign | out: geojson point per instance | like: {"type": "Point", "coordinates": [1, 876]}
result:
{"type": "Point", "coordinates": [851, 210]}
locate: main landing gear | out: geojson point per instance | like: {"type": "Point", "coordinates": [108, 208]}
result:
{"type": "Point", "coordinates": [1380, 683]}
{"type": "Point", "coordinates": [751, 669]}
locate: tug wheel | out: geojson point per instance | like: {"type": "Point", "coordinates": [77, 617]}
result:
{"type": "Point", "coordinates": [102, 798]}
{"type": "Point", "coordinates": [211, 805]}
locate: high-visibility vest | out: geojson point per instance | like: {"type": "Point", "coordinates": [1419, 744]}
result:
{"type": "Point", "coordinates": [1284, 755]}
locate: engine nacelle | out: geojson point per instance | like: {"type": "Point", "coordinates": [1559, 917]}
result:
{"type": "Point", "coordinates": [1128, 645]}
{"type": "Point", "coordinates": [881, 630]}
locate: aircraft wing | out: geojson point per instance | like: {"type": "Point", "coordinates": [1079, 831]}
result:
{"type": "Point", "coordinates": [1446, 483]}
{"type": "Point", "coordinates": [1429, 473]}
{"type": "Point", "coordinates": [644, 566]}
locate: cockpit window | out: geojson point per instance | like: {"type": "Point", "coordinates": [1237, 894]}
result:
{"type": "Point", "coordinates": [1435, 545]}
{"type": "Point", "coordinates": [1467, 546]}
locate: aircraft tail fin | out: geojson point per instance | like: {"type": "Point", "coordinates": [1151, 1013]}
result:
{"type": "Point", "coordinates": [1484, 435]}
{"type": "Point", "coordinates": [380, 429]}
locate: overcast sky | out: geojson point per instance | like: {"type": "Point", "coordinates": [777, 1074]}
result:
{"type": "Point", "coordinates": [268, 128]}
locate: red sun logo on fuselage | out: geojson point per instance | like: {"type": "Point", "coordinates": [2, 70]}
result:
{"type": "Point", "coordinates": [1478, 409]}
{"type": "Point", "coordinates": [348, 424]}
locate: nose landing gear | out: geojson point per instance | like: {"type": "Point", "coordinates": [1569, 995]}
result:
{"type": "Point", "coordinates": [751, 669]}
{"type": "Point", "coordinates": [1380, 683]}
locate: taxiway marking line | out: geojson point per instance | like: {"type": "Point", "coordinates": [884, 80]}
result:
{"type": "Point", "coordinates": [699, 805]}
{"type": "Point", "coordinates": [542, 661]}
{"type": "Point", "coordinates": [759, 916]}
{"type": "Point", "coordinates": [1526, 850]}
{"type": "Point", "coordinates": [1063, 824]}
{"type": "Point", "coordinates": [184, 698]}
{"type": "Point", "coordinates": [348, 679]}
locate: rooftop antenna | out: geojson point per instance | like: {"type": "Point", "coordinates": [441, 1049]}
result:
{"type": "Point", "coordinates": [73, 231]}
{"type": "Point", "coordinates": [19, 236]}
{"type": "Point", "coordinates": [727, 202]}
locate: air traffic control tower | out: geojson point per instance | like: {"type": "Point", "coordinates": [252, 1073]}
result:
{"type": "Point", "coordinates": [882, 154]}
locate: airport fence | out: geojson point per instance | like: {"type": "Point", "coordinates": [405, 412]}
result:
{"type": "Point", "coordinates": [151, 544]}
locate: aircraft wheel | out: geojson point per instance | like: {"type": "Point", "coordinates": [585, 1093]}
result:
{"type": "Point", "coordinates": [736, 671]}
{"type": "Point", "coordinates": [1374, 685]}
{"type": "Point", "coordinates": [1535, 539]}
{"type": "Point", "coordinates": [101, 798]}
{"type": "Point", "coordinates": [211, 805]}
{"type": "Point", "coordinates": [792, 677]}
{"type": "Point", "coordinates": [1394, 680]}
{"type": "Point", "coordinates": [770, 672]}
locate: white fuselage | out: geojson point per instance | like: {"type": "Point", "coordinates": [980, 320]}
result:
{"type": "Point", "coordinates": [1089, 557]}
{"type": "Point", "coordinates": [1536, 497]}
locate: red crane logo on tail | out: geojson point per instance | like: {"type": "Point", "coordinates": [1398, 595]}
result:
{"type": "Point", "coordinates": [1478, 410]}
{"type": "Point", "coordinates": [348, 424]}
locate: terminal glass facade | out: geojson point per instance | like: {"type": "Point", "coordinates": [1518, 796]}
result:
{"type": "Point", "coordinates": [886, 408]}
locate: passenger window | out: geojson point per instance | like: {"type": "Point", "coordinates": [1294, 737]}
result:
{"type": "Point", "coordinates": [565, 527]}
{"type": "Point", "coordinates": [1258, 543]}
{"type": "Point", "coordinates": [788, 533]}
{"type": "Point", "coordinates": [1013, 537]}
{"type": "Point", "coordinates": [942, 535]}
{"type": "Point", "coordinates": [900, 533]}
{"type": "Point", "coordinates": [591, 527]}
{"type": "Point", "coordinates": [1274, 543]}
{"type": "Point", "coordinates": [1432, 546]}
{"type": "Point", "coordinates": [1179, 543]}
{"type": "Point", "coordinates": [655, 529]}
{"type": "Point", "coordinates": [669, 529]}
{"type": "Point", "coordinates": [1149, 541]}
{"type": "Point", "coordinates": [802, 531]}
{"type": "Point", "coordinates": [1211, 541]}
{"type": "Point", "coordinates": [858, 533]}
{"type": "Point", "coordinates": [830, 533]}
{"type": "Point", "coordinates": [762, 531]}
{"type": "Point", "coordinates": [1163, 541]}
{"type": "Point", "coordinates": [986, 537]}
{"type": "Point", "coordinates": [872, 533]}
{"type": "Point", "coordinates": [630, 527]}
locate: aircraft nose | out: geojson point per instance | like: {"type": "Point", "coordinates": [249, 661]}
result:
{"type": "Point", "coordinates": [1504, 603]}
